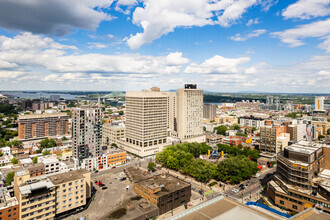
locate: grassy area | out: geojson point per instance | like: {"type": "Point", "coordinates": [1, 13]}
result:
{"type": "Point", "coordinates": [267, 203]}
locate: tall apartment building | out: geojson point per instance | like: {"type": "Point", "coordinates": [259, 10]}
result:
{"type": "Point", "coordinates": [209, 111]}
{"type": "Point", "coordinates": [251, 121]}
{"type": "Point", "coordinates": [39, 126]}
{"type": "Point", "coordinates": [86, 132]}
{"type": "Point", "coordinates": [189, 112]}
{"type": "Point", "coordinates": [110, 134]}
{"type": "Point", "coordinates": [319, 103]}
{"type": "Point", "coordinates": [302, 178]}
{"type": "Point", "coordinates": [268, 138]}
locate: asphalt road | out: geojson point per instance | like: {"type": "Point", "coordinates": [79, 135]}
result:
{"type": "Point", "coordinates": [255, 187]}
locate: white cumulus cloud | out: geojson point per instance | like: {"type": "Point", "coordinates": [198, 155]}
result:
{"type": "Point", "coordinates": [255, 33]}
{"type": "Point", "coordinates": [306, 9]}
{"type": "Point", "coordinates": [159, 18]}
{"type": "Point", "coordinates": [217, 64]}
{"type": "Point", "coordinates": [293, 37]}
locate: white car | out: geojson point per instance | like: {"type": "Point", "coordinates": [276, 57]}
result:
{"type": "Point", "coordinates": [235, 190]}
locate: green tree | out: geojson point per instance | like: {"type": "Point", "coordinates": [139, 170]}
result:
{"type": "Point", "coordinates": [235, 127]}
{"type": "Point", "coordinates": [35, 160]}
{"type": "Point", "coordinates": [114, 145]}
{"type": "Point", "coordinates": [1, 154]}
{"type": "Point", "coordinates": [46, 152]}
{"type": "Point", "coordinates": [10, 178]}
{"type": "Point", "coordinates": [64, 138]}
{"type": "Point", "coordinates": [328, 131]}
{"type": "Point", "coordinates": [47, 143]}
{"type": "Point", "coordinates": [254, 129]}
{"type": "Point", "coordinates": [240, 146]}
{"type": "Point", "coordinates": [236, 169]}
{"type": "Point", "coordinates": [16, 143]}
{"type": "Point", "coordinates": [103, 121]}
{"type": "Point", "coordinates": [121, 112]}
{"type": "Point", "coordinates": [14, 161]}
{"type": "Point", "coordinates": [110, 111]}
{"type": "Point", "coordinates": [221, 129]}
{"type": "Point", "coordinates": [204, 128]}
{"type": "Point", "coordinates": [151, 166]}
{"type": "Point", "coordinates": [321, 136]}
{"type": "Point", "coordinates": [71, 105]}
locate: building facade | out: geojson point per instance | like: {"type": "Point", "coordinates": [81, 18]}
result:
{"type": "Point", "coordinates": [251, 121]}
{"type": "Point", "coordinates": [86, 132]}
{"type": "Point", "coordinates": [209, 111]}
{"type": "Point", "coordinates": [110, 134]}
{"type": "Point", "coordinates": [73, 188]}
{"type": "Point", "coordinates": [165, 191]}
{"type": "Point", "coordinates": [302, 178]}
{"type": "Point", "coordinates": [38, 126]}
{"type": "Point", "coordinates": [190, 112]}
{"type": "Point", "coordinates": [268, 137]}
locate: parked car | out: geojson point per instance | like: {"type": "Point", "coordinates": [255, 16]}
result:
{"type": "Point", "coordinates": [235, 190]}
{"type": "Point", "coordinates": [103, 188]}
{"type": "Point", "coordinates": [194, 189]}
{"type": "Point", "coordinates": [122, 179]}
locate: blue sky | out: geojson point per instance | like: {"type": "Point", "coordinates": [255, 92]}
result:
{"type": "Point", "coordinates": [222, 45]}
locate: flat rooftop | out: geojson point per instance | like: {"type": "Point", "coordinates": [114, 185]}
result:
{"type": "Point", "coordinates": [115, 127]}
{"type": "Point", "coordinates": [224, 209]}
{"type": "Point", "coordinates": [311, 214]}
{"type": "Point", "coordinates": [137, 175]}
{"type": "Point", "coordinates": [68, 176]}
{"type": "Point", "coordinates": [166, 182]}
{"type": "Point", "coordinates": [29, 116]}
{"type": "Point", "coordinates": [304, 147]}
{"type": "Point", "coordinates": [27, 189]}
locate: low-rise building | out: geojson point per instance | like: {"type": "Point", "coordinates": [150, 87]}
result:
{"type": "Point", "coordinates": [72, 189]}
{"type": "Point", "coordinates": [165, 191]}
{"type": "Point", "coordinates": [110, 134]}
{"type": "Point", "coordinates": [9, 206]}
{"type": "Point", "coordinates": [52, 165]}
{"type": "Point", "coordinates": [37, 169]}
{"type": "Point", "coordinates": [107, 160]}
{"type": "Point", "coordinates": [251, 121]}
{"type": "Point", "coordinates": [213, 139]}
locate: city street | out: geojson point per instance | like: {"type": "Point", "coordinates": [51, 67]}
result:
{"type": "Point", "coordinates": [253, 190]}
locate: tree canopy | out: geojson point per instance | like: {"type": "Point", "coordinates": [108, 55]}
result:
{"type": "Point", "coordinates": [47, 143]}
{"type": "Point", "coordinates": [236, 169]}
{"type": "Point", "coordinates": [182, 157]}
{"type": "Point", "coordinates": [14, 161]}
{"type": "Point", "coordinates": [10, 178]}
{"type": "Point", "coordinates": [151, 166]}
{"type": "Point", "coordinates": [235, 151]}
{"type": "Point", "coordinates": [221, 129]}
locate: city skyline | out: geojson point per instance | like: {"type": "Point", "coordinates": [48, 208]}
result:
{"type": "Point", "coordinates": [223, 46]}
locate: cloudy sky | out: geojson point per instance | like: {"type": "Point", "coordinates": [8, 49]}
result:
{"type": "Point", "coordinates": [222, 45]}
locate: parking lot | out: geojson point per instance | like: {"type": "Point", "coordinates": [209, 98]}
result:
{"type": "Point", "coordinates": [113, 194]}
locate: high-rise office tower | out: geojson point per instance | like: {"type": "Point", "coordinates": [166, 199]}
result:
{"type": "Point", "coordinates": [86, 132]}
{"type": "Point", "coordinates": [146, 118]}
{"type": "Point", "coordinates": [209, 111]}
{"type": "Point", "coordinates": [189, 112]}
